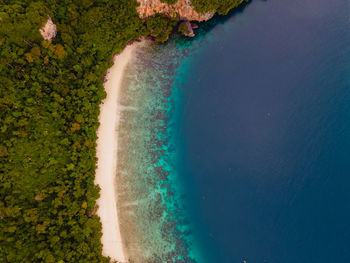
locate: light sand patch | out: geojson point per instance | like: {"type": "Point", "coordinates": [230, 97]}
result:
{"type": "Point", "coordinates": [107, 146]}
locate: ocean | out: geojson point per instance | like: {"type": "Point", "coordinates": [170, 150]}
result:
{"type": "Point", "coordinates": [235, 144]}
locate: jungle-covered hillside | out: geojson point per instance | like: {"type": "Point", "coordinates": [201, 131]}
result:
{"type": "Point", "coordinates": [49, 97]}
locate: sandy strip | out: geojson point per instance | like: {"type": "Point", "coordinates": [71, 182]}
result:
{"type": "Point", "coordinates": [107, 159]}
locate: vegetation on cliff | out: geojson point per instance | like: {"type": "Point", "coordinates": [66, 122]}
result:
{"type": "Point", "coordinates": [50, 94]}
{"type": "Point", "coordinates": [160, 27]}
{"type": "Point", "coordinates": [222, 7]}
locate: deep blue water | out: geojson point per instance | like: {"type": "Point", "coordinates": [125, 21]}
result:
{"type": "Point", "coordinates": [265, 133]}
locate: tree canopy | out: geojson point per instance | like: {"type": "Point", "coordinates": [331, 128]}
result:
{"type": "Point", "coordinates": [50, 94]}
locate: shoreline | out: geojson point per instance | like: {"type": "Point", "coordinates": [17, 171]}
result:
{"type": "Point", "coordinates": [106, 152]}
{"type": "Point", "coordinates": [151, 214]}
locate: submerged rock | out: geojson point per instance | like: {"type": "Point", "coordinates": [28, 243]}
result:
{"type": "Point", "coordinates": [194, 25]}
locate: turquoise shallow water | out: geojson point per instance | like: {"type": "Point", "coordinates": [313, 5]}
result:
{"type": "Point", "coordinates": [235, 145]}
{"type": "Point", "coordinates": [153, 215]}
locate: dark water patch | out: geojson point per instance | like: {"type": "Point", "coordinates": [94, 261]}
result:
{"type": "Point", "coordinates": [265, 127]}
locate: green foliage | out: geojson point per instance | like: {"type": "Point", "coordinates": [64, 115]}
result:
{"type": "Point", "coordinates": [222, 7]}
{"type": "Point", "coordinates": [183, 29]}
{"type": "Point", "coordinates": [170, 2]}
{"type": "Point", "coordinates": [21, 20]}
{"type": "Point", "coordinates": [50, 95]}
{"type": "Point", "coordinates": [160, 27]}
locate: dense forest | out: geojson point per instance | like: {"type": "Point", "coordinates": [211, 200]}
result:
{"type": "Point", "coordinates": [50, 94]}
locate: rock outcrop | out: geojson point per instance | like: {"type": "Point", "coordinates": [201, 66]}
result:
{"type": "Point", "coordinates": [181, 8]}
{"type": "Point", "coordinates": [48, 31]}
{"type": "Point", "coordinates": [186, 29]}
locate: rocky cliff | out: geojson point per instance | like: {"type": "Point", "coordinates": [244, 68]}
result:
{"type": "Point", "coordinates": [48, 31]}
{"type": "Point", "coordinates": [181, 8]}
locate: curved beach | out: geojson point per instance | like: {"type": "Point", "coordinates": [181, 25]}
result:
{"type": "Point", "coordinates": [107, 146]}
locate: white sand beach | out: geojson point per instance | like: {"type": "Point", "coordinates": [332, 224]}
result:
{"type": "Point", "coordinates": [107, 159]}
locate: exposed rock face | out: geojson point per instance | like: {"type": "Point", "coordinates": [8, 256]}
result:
{"type": "Point", "coordinates": [48, 31]}
{"type": "Point", "coordinates": [189, 32]}
{"type": "Point", "coordinates": [182, 8]}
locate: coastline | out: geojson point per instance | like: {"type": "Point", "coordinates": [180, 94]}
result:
{"type": "Point", "coordinates": [106, 152]}
{"type": "Point", "coordinates": [151, 213]}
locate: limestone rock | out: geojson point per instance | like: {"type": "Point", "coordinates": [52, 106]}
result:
{"type": "Point", "coordinates": [186, 28]}
{"type": "Point", "coordinates": [48, 31]}
{"type": "Point", "coordinates": [181, 8]}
